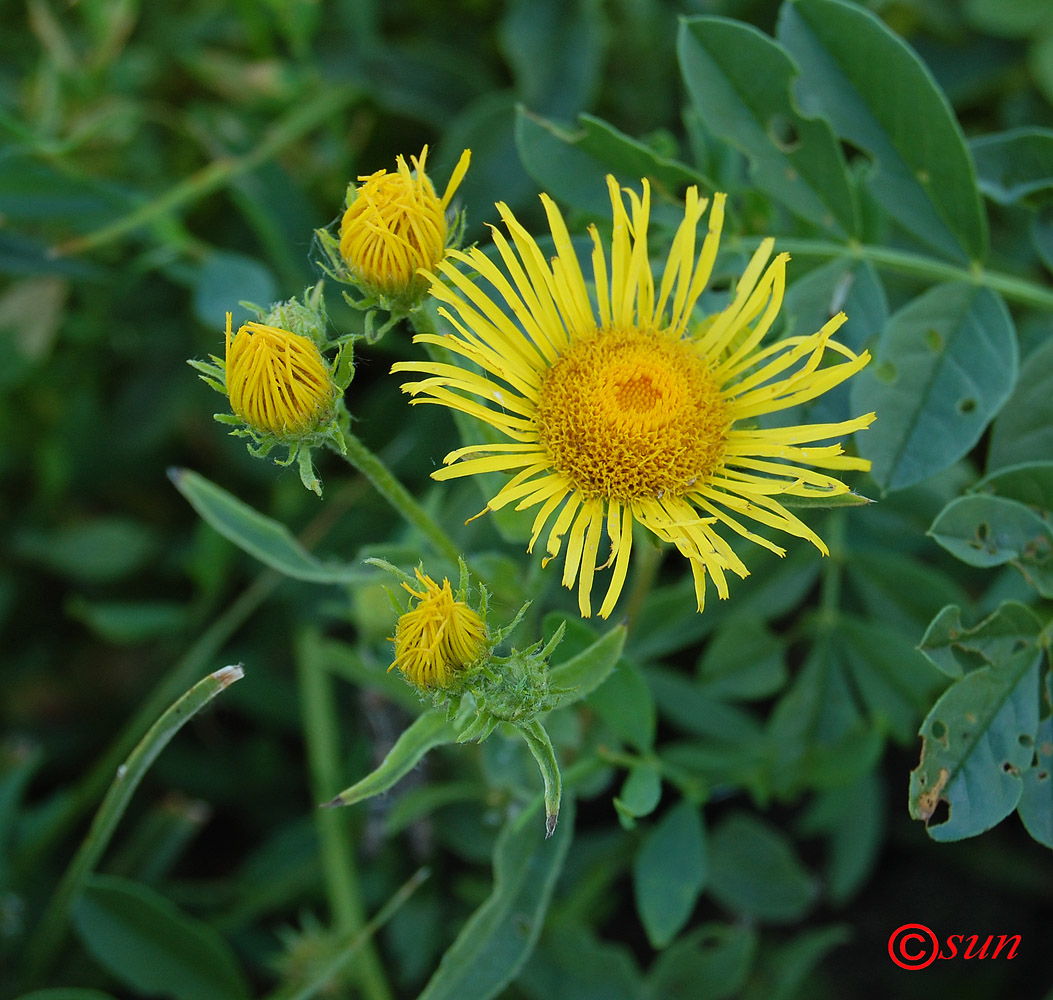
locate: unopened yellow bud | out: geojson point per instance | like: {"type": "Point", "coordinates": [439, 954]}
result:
{"type": "Point", "coordinates": [396, 224]}
{"type": "Point", "coordinates": [277, 381]}
{"type": "Point", "coordinates": [438, 637]}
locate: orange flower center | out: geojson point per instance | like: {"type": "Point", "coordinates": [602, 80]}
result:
{"type": "Point", "coordinates": [631, 413]}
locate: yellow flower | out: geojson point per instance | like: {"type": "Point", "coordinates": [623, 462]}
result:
{"type": "Point", "coordinates": [438, 637]}
{"type": "Point", "coordinates": [397, 224]}
{"type": "Point", "coordinates": [277, 382]}
{"type": "Point", "coordinates": [619, 410]}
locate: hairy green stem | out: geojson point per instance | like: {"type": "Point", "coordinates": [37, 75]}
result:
{"type": "Point", "coordinates": [51, 928]}
{"type": "Point", "coordinates": [385, 483]}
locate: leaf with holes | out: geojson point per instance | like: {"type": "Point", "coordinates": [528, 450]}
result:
{"type": "Point", "coordinates": [953, 648]}
{"type": "Point", "coordinates": [976, 741]}
{"type": "Point", "coordinates": [877, 93]}
{"type": "Point", "coordinates": [944, 365]}
{"type": "Point", "coordinates": [739, 81]}
{"type": "Point", "coordinates": [991, 531]}
{"type": "Point", "coordinates": [1036, 800]}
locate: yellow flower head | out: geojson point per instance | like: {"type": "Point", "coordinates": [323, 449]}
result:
{"type": "Point", "coordinates": [396, 224]}
{"type": "Point", "coordinates": [277, 382]}
{"type": "Point", "coordinates": [619, 410]}
{"type": "Point", "coordinates": [438, 637]}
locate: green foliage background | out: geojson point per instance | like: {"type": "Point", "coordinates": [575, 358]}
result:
{"type": "Point", "coordinates": [738, 815]}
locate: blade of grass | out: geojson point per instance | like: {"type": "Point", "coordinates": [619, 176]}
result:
{"type": "Point", "coordinates": [51, 929]}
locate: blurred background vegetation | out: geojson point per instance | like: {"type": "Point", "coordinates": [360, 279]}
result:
{"type": "Point", "coordinates": [160, 162]}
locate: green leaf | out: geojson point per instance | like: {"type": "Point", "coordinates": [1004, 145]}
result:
{"type": "Point", "coordinates": [827, 503]}
{"type": "Point", "coordinates": [48, 936]}
{"type": "Point", "coordinates": [66, 993]}
{"type": "Point", "coordinates": [994, 639]}
{"type": "Point", "coordinates": [572, 963]}
{"type": "Point", "coordinates": [1023, 431]}
{"type": "Point", "coordinates": [755, 872]}
{"type": "Point", "coordinates": [500, 935]}
{"type": "Point", "coordinates": [1036, 798]}
{"type": "Point", "coordinates": [1009, 18]}
{"type": "Point", "coordinates": [852, 819]}
{"type": "Point", "coordinates": [944, 366]}
{"type": "Point", "coordinates": [225, 279]}
{"type": "Point", "coordinates": [1014, 165]}
{"type": "Point", "coordinates": [899, 590]}
{"type": "Point", "coordinates": [990, 531]}
{"type": "Point", "coordinates": [892, 680]}
{"type": "Point", "coordinates": [819, 735]}
{"type": "Point", "coordinates": [1030, 483]}
{"type": "Point", "coordinates": [739, 81]}
{"type": "Point", "coordinates": [152, 947]}
{"type": "Point", "coordinates": [976, 740]}
{"type": "Point", "coordinates": [571, 166]}
{"type": "Point", "coordinates": [922, 176]}
{"type": "Point", "coordinates": [130, 622]}
{"type": "Point", "coordinates": [430, 729]}
{"type": "Point", "coordinates": [99, 550]}
{"type": "Point", "coordinates": [785, 970]}
{"type": "Point", "coordinates": [743, 660]}
{"type": "Point", "coordinates": [586, 671]}
{"type": "Point", "coordinates": [711, 963]}
{"type": "Point", "coordinates": [669, 872]}
{"type": "Point", "coordinates": [624, 702]}
{"type": "Point", "coordinates": [684, 702]}
{"type": "Point", "coordinates": [260, 536]}
{"type": "Point", "coordinates": [554, 79]}
{"type": "Point", "coordinates": [640, 795]}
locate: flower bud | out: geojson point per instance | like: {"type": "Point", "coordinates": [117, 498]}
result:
{"type": "Point", "coordinates": [394, 225]}
{"type": "Point", "coordinates": [439, 637]}
{"type": "Point", "coordinates": [277, 381]}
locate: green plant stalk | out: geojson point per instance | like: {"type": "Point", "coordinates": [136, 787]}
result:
{"type": "Point", "coordinates": [338, 864]}
{"type": "Point", "coordinates": [373, 468]}
{"type": "Point", "coordinates": [325, 974]}
{"type": "Point", "coordinates": [301, 120]}
{"type": "Point", "coordinates": [49, 933]}
{"type": "Point", "coordinates": [919, 266]}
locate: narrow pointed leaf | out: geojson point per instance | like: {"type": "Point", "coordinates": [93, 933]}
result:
{"type": "Point", "coordinates": [499, 937]}
{"type": "Point", "coordinates": [258, 535]}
